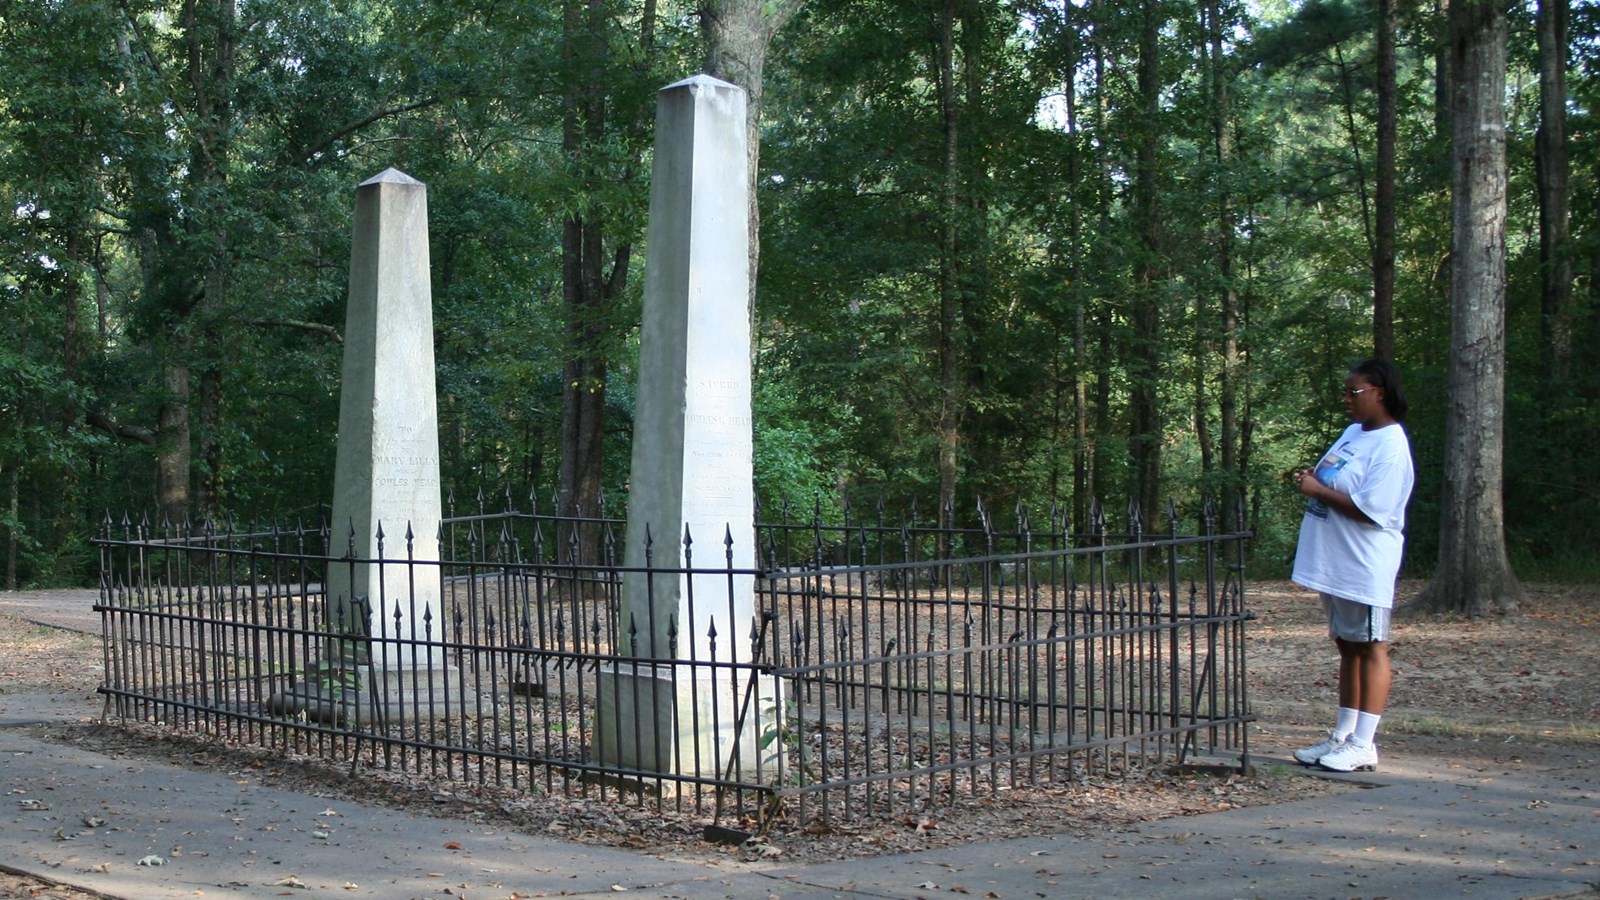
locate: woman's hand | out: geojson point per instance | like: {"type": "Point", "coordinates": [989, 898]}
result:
{"type": "Point", "coordinates": [1306, 481]}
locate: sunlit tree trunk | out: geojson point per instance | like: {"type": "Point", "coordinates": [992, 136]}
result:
{"type": "Point", "coordinates": [1474, 574]}
{"type": "Point", "coordinates": [737, 35]}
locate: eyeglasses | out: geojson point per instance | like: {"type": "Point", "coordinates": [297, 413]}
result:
{"type": "Point", "coordinates": [1351, 392]}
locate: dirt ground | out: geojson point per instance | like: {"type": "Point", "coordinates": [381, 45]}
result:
{"type": "Point", "coordinates": [1519, 687]}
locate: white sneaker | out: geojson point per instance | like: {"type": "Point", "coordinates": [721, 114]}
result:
{"type": "Point", "coordinates": [1308, 756]}
{"type": "Point", "coordinates": [1352, 757]}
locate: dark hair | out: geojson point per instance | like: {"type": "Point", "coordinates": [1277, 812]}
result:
{"type": "Point", "coordinates": [1382, 373]}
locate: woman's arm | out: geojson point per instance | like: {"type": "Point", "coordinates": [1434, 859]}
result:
{"type": "Point", "coordinates": [1338, 501]}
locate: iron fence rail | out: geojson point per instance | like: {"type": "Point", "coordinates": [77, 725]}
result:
{"type": "Point", "coordinates": [886, 667]}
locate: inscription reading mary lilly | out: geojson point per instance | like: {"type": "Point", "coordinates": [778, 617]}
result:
{"type": "Point", "coordinates": [403, 463]}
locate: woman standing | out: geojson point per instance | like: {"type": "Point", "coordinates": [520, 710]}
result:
{"type": "Point", "coordinates": [1349, 551]}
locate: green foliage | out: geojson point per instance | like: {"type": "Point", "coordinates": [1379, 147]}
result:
{"type": "Point", "coordinates": [801, 453]}
{"type": "Point", "coordinates": [163, 222]}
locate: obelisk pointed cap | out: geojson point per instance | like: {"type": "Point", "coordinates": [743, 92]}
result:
{"type": "Point", "coordinates": [390, 175]}
{"type": "Point", "coordinates": [700, 81]}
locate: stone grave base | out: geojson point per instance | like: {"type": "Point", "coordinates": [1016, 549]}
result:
{"type": "Point", "coordinates": [670, 718]}
{"type": "Point", "coordinates": [358, 697]}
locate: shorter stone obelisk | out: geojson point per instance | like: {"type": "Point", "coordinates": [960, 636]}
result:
{"type": "Point", "coordinates": [383, 654]}
{"type": "Point", "coordinates": [688, 702]}
{"type": "Point", "coordinates": [386, 477]}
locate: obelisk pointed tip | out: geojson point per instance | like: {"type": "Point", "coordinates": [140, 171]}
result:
{"type": "Point", "coordinates": [390, 175]}
{"type": "Point", "coordinates": [701, 81]}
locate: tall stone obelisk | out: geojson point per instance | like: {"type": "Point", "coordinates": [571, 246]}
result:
{"type": "Point", "coordinates": [681, 709]}
{"type": "Point", "coordinates": [386, 477]}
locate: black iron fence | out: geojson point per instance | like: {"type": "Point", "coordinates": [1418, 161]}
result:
{"type": "Point", "coordinates": [873, 668]}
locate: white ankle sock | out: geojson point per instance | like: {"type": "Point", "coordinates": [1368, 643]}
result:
{"type": "Point", "coordinates": [1346, 722]}
{"type": "Point", "coordinates": [1366, 729]}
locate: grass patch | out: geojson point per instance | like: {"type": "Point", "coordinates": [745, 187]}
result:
{"type": "Point", "coordinates": [1489, 730]}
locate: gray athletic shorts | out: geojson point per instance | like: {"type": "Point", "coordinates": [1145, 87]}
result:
{"type": "Point", "coordinates": [1356, 622]}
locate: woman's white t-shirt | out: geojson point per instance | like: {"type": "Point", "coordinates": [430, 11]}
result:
{"type": "Point", "coordinates": [1344, 557]}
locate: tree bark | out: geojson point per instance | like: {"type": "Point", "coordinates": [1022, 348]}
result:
{"type": "Point", "coordinates": [208, 34]}
{"type": "Point", "coordinates": [585, 290]}
{"type": "Point", "coordinates": [1080, 297]}
{"type": "Point", "coordinates": [948, 429]}
{"type": "Point", "coordinates": [1144, 370]}
{"type": "Point", "coordinates": [973, 278]}
{"type": "Point", "coordinates": [1474, 574]}
{"type": "Point", "coordinates": [1384, 196]}
{"type": "Point", "coordinates": [1353, 134]}
{"type": "Point", "coordinates": [1442, 74]}
{"type": "Point", "coordinates": [1551, 168]}
{"type": "Point", "coordinates": [1101, 315]}
{"type": "Point", "coordinates": [208, 487]}
{"type": "Point", "coordinates": [1228, 300]}
{"type": "Point", "coordinates": [13, 483]}
{"type": "Point", "coordinates": [173, 453]}
{"type": "Point", "coordinates": [738, 34]}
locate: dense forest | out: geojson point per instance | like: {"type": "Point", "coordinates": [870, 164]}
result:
{"type": "Point", "coordinates": [1029, 252]}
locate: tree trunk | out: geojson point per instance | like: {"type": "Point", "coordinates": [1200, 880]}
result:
{"type": "Point", "coordinates": [583, 288]}
{"type": "Point", "coordinates": [13, 492]}
{"type": "Point", "coordinates": [1228, 301]}
{"type": "Point", "coordinates": [1384, 199]}
{"type": "Point", "coordinates": [208, 487]}
{"type": "Point", "coordinates": [1442, 79]}
{"type": "Point", "coordinates": [948, 429]}
{"type": "Point", "coordinates": [1551, 168]}
{"type": "Point", "coordinates": [1101, 316]}
{"type": "Point", "coordinates": [1246, 417]}
{"type": "Point", "coordinates": [1082, 451]}
{"type": "Point", "coordinates": [1201, 377]}
{"type": "Point", "coordinates": [973, 277]}
{"type": "Point", "coordinates": [1144, 369]}
{"type": "Point", "coordinates": [737, 35]}
{"type": "Point", "coordinates": [1474, 575]}
{"type": "Point", "coordinates": [1080, 298]}
{"type": "Point", "coordinates": [208, 42]}
{"type": "Point", "coordinates": [172, 447]}
{"type": "Point", "coordinates": [1353, 134]}
{"type": "Point", "coordinates": [70, 412]}
{"type": "Point", "coordinates": [102, 297]}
